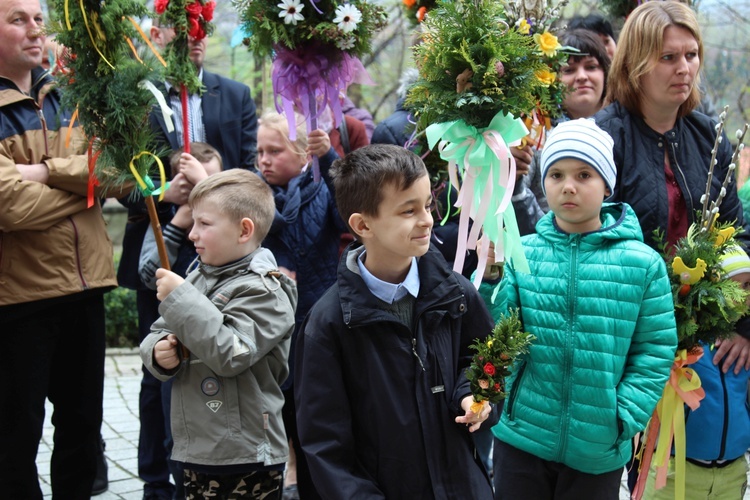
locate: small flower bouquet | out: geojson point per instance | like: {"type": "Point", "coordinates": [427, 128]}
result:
{"type": "Point", "coordinates": [315, 45]}
{"type": "Point", "coordinates": [707, 307]}
{"type": "Point", "coordinates": [479, 73]}
{"type": "Point", "coordinates": [494, 359]}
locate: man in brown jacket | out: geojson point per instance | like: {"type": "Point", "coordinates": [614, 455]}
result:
{"type": "Point", "coordinates": [55, 265]}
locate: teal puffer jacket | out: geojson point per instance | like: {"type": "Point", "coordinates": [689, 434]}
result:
{"type": "Point", "coordinates": [601, 309]}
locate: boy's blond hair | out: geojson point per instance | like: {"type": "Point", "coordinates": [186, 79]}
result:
{"type": "Point", "coordinates": [238, 194]}
{"type": "Point", "coordinates": [201, 151]}
{"type": "Point", "coordinates": [279, 123]}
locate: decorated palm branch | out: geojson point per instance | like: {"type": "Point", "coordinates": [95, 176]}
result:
{"type": "Point", "coordinates": [707, 307]}
{"type": "Point", "coordinates": [189, 19]}
{"type": "Point", "coordinates": [495, 355]}
{"type": "Point", "coordinates": [315, 46]}
{"type": "Point", "coordinates": [108, 83]}
{"type": "Point", "coordinates": [480, 72]}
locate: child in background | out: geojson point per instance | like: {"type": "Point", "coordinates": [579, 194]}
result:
{"type": "Point", "coordinates": [203, 160]}
{"type": "Point", "coordinates": [304, 236]}
{"type": "Point", "coordinates": [718, 432]}
{"type": "Point", "coordinates": [235, 315]}
{"type": "Point", "coordinates": [383, 405]}
{"type": "Point", "coordinates": [599, 302]}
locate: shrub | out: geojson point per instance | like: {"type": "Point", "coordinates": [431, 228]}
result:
{"type": "Point", "coordinates": [121, 318]}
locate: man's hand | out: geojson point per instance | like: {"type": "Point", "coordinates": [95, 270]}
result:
{"type": "Point", "coordinates": [36, 172]}
{"type": "Point", "coordinates": [165, 352]}
{"type": "Point", "coordinates": [736, 349]}
{"type": "Point", "coordinates": [179, 190]}
{"type": "Point", "coordinates": [523, 158]}
{"type": "Point", "coordinates": [166, 281]}
{"type": "Point", "coordinates": [471, 419]}
{"type": "Point", "coordinates": [318, 143]}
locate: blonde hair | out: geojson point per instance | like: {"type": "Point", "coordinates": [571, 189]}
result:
{"type": "Point", "coordinates": [238, 194]}
{"type": "Point", "coordinates": [278, 122]}
{"type": "Point", "coordinates": [638, 49]}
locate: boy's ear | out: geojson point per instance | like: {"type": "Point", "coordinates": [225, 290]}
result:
{"type": "Point", "coordinates": [607, 193]}
{"type": "Point", "coordinates": [359, 225]}
{"type": "Point", "coordinates": [247, 230]}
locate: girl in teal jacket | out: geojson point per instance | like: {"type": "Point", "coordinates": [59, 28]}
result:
{"type": "Point", "coordinates": [599, 303]}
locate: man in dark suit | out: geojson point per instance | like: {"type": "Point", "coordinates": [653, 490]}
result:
{"type": "Point", "coordinates": [224, 116]}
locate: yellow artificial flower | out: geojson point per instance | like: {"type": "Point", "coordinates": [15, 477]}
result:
{"type": "Point", "coordinates": [489, 343]}
{"type": "Point", "coordinates": [547, 43]}
{"type": "Point", "coordinates": [523, 26]}
{"type": "Point", "coordinates": [546, 77]}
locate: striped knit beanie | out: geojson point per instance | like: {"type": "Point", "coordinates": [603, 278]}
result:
{"type": "Point", "coordinates": [583, 140]}
{"type": "Point", "coordinates": [735, 261]}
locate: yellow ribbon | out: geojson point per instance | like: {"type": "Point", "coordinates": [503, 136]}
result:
{"type": "Point", "coordinates": [91, 36]}
{"type": "Point", "coordinates": [146, 185]}
{"type": "Point", "coordinates": [477, 407]}
{"type": "Point", "coordinates": [67, 15]}
{"type": "Point", "coordinates": [684, 387]}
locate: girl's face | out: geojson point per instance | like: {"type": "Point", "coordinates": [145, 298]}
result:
{"type": "Point", "coordinates": [277, 162]}
{"type": "Point", "coordinates": [585, 80]}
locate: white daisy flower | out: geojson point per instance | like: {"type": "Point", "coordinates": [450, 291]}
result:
{"type": "Point", "coordinates": [346, 43]}
{"type": "Point", "coordinates": [290, 11]}
{"type": "Point", "coordinates": [347, 17]}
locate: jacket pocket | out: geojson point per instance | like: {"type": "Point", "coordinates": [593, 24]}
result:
{"type": "Point", "coordinates": [514, 392]}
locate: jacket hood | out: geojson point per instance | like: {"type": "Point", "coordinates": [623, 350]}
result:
{"type": "Point", "coordinates": [262, 262]}
{"type": "Point", "coordinates": [619, 222]}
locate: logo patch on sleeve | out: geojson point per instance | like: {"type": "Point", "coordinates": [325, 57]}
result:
{"type": "Point", "coordinates": [214, 405]}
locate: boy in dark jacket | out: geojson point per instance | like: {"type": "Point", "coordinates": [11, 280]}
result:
{"type": "Point", "coordinates": [382, 399]}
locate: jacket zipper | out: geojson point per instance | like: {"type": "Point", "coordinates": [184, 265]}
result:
{"type": "Point", "coordinates": [563, 441]}
{"type": "Point", "coordinates": [414, 328]}
{"type": "Point", "coordinates": [687, 193]}
{"type": "Point", "coordinates": [514, 392]}
{"type": "Point", "coordinates": [44, 129]}
{"type": "Point", "coordinates": [78, 254]}
{"type": "Point", "coordinates": [725, 423]}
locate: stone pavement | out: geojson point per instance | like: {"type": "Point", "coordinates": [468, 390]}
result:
{"type": "Point", "coordinates": [122, 383]}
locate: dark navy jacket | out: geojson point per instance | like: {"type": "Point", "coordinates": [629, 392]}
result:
{"type": "Point", "coordinates": [374, 421]}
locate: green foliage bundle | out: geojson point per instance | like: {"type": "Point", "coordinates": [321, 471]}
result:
{"type": "Point", "coordinates": [348, 26]}
{"type": "Point", "coordinates": [707, 304]}
{"type": "Point", "coordinates": [189, 18]}
{"type": "Point", "coordinates": [495, 356]}
{"type": "Point", "coordinates": [102, 79]}
{"type": "Point", "coordinates": [473, 64]}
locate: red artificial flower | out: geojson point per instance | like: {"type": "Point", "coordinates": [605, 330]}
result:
{"type": "Point", "coordinates": [208, 10]}
{"type": "Point", "coordinates": [489, 369]}
{"type": "Point", "coordinates": [194, 10]}
{"type": "Point", "coordinates": [497, 387]}
{"type": "Point", "coordinates": [160, 6]}
{"type": "Point", "coordinates": [196, 31]}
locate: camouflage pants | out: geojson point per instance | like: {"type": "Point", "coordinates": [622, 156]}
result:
{"type": "Point", "coordinates": [261, 485]}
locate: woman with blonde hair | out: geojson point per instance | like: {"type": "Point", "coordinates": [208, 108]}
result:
{"type": "Point", "coordinates": [662, 146]}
